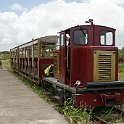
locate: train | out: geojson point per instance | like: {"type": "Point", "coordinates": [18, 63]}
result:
{"type": "Point", "coordinates": [85, 61]}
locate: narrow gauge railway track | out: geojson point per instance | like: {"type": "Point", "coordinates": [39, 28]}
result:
{"type": "Point", "coordinates": [119, 111]}
{"type": "Point", "coordinates": [98, 120]}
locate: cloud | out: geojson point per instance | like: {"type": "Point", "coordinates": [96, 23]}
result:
{"type": "Point", "coordinates": [57, 15]}
{"type": "Point", "coordinates": [18, 8]}
{"type": "Point", "coordinates": [78, 1]}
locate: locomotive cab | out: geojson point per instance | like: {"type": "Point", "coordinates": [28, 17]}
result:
{"type": "Point", "coordinates": [86, 51]}
{"type": "Point", "coordinates": [89, 62]}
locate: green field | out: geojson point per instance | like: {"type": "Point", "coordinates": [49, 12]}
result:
{"type": "Point", "coordinates": [121, 68]}
{"type": "Point", "coordinates": [6, 63]}
{"type": "Point", "coordinates": [72, 114]}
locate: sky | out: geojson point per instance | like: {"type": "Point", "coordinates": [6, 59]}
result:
{"type": "Point", "coordinates": [22, 20]}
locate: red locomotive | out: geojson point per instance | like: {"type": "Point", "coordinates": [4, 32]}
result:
{"type": "Point", "coordinates": [86, 64]}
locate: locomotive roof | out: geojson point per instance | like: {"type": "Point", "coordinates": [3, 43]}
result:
{"type": "Point", "coordinates": [87, 26]}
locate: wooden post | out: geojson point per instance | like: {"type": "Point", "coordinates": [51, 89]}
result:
{"type": "Point", "coordinates": [10, 57]}
{"type": "Point", "coordinates": [25, 50]}
{"type": "Point", "coordinates": [28, 65]}
{"type": "Point", "coordinates": [17, 59]}
{"type": "Point", "coordinates": [33, 66]}
{"type": "Point", "coordinates": [39, 57]}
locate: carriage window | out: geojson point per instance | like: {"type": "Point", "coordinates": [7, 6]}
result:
{"type": "Point", "coordinates": [62, 39]}
{"type": "Point", "coordinates": [81, 37]}
{"type": "Point", "coordinates": [106, 38]}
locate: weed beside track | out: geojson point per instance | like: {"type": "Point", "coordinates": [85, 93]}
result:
{"type": "Point", "coordinates": [68, 110]}
{"type": "Point", "coordinates": [71, 113]}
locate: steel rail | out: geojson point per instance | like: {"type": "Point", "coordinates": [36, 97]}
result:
{"type": "Point", "coordinates": [119, 110]}
{"type": "Point", "coordinates": [99, 120]}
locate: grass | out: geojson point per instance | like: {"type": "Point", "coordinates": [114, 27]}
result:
{"type": "Point", "coordinates": [121, 71]}
{"type": "Point", "coordinates": [109, 115]}
{"type": "Point", "coordinates": [76, 115]}
{"type": "Point", "coordinates": [35, 88]}
{"type": "Point", "coordinates": [121, 68]}
{"type": "Point", "coordinates": [71, 113]}
{"type": "Point", "coordinates": [6, 63]}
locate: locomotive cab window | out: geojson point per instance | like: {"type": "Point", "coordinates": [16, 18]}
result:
{"type": "Point", "coordinates": [106, 38]}
{"type": "Point", "coordinates": [80, 37]}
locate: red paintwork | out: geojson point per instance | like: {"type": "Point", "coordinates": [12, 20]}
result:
{"type": "Point", "coordinates": [81, 61]}
{"type": "Point", "coordinates": [43, 64]}
{"type": "Point", "coordinates": [82, 56]}
{"type": "Point", "coordinates": [81, 66]}
{"type": "Point", "coordinates": [96, 99]}
{"type": "Point", "coordinates": [62, 65]}
{"type": "Point", "coordinates": [111, 96]}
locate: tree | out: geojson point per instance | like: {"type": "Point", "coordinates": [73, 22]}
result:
{"type": "Point", "coordinates": [121, 55]}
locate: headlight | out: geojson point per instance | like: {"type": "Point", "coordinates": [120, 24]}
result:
{"type": "Point", "coordinates": [78, 83]}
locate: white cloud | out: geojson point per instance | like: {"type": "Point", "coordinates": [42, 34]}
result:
{"type": "Point", "coordinates": [55, 15]}
{"type": "Point", "coordinates": [18, 8]}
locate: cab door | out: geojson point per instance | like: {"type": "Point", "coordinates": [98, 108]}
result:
{"type": "Point", "coordinates": [81, 58]}
{"type": "Point", "coordinates": [62, 58]}
{"type": "Point", "coordinates": [64, 67]}
{"type": "Point", "coordinates": [68, 56]}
